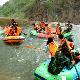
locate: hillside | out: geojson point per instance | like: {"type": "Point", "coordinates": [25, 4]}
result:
{"type": "Point", "coordinates": [42, 10]}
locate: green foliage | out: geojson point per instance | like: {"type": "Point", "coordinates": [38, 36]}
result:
{"type": "Point", "coordinates": [39, 9]}
{"type": "Point", "coordinates": [14, 8]}
{"type": "Point", "coordinates": [18, 15]}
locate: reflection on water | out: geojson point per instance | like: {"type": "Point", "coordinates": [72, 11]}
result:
{"type": "Point", "coordinates": [18, 62]}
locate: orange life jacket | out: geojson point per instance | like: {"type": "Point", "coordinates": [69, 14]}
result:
{"type": "Point", "coordinates": [6, 30]}
{"type": "Point", "coordinates": [10, 31]}
{"type": "Point", "coordinates": [19, 30]}
{"type": "Point", "coordinates": [58, 30]}
{"type": "Point", "coordinates": [48, 30]}
{"type": "Point", "coordinates": [43, 24]}
{"type": "Point", "coordinates": [53, 48]}
{"type": "Point", "coordinates": [70, 45]}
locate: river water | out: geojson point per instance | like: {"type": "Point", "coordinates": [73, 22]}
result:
{"type": "Point", "coordinates": [18, 62]}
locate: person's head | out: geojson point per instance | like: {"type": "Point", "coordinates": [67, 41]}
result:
{"type": "Point", "coordinates": [70, 39]}
{"type": "Point", "coordinates": [49, 40]}
{"type": "Point", "coordinates": [46, 25]}
{"type": "Point", "coordinates": [42, 23]}
{"type": "Point", "coordinates": [77, 53]}
{"type": "Point", "coordinates": [58, 24]}
{"type": "Point", "coordinates": [11, 26]}
{"type": "Point", "coordinates": [33, 24]}
{"type": "Point", "coordinates": [61, 36]}
{"type": "Point", "coordinates": [69, 22]}
{"type": "Point", "coordinates": [12, 20]}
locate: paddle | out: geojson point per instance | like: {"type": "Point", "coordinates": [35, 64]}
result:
{"type": "Point", "coordinates": [76, 69]}
{"type": "Point", "coordinates": [33, 47]}
{"type": "Point", "coordinates": [29, 46]}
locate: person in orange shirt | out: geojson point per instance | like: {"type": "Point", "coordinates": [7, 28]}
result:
{"type": "Point", "coordinates": [52, 47]}
{"type": "Point", "coordinates": [48, 29]}
{"type": "Point", "coordinates": [58, 29]}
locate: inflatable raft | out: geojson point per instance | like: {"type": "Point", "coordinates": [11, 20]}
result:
{"type": "Point", "coordinates": [14, 39]}
{"type": "Point", "coordinates": [41, 73]}
{"type": "Point", "coordinates": [40, 35]}
{"type": "Point", "coordinates": [1, 32]}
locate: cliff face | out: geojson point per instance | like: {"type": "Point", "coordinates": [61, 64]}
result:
{"type": "Point", "coordinates": [42, 10]}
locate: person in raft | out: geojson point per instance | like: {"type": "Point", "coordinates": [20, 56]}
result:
{"type": "Point", "coordinates": [37, 27]}
{"type": "Point", "coordinates": [68, 27]}
{"type": "Point", "coordinates": [68, 42]}
{"type": "Point", "coordinates": [14, 23]}
{"type": "Point", "coordinates": [42, 25]}
{"type": "Point", "coordinates": [63, 58]}
{"type": "Point", "coordinates": [48, 29]}
{"type": "Point", "coordinates": [15, 30]}
{"type": "Point", "coordinates": [58, 29]}
{"type": "Point", "coordinates": [34, 27]}
{"type": "Point", "coordinates": [52, 47]}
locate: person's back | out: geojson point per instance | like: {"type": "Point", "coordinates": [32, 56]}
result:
{"type": "Point", "coordinates": [52, 46]}
{"type": "Point", "coordinates": [18, 31]}
{"type": "Point", "coordinates": [58, 29]}
{"type": "Point", "coordinates": [48, 29]}
{"type": "Point", "coordinates": [58, 62]}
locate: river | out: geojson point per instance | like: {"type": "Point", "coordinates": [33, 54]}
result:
{"type": "Point", "coordinates": [18, 62]}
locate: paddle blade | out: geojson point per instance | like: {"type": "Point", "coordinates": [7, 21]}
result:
{"type": "Point", "coordinates": [29, 46]}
